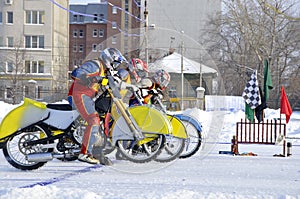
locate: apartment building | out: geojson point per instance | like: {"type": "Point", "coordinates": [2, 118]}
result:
{"type": "Point", "coordinates": [34, 48]}
{"type": "Point", "coordinates": [96, 26]}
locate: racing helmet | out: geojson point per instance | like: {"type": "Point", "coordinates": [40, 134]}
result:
{"type": "Point", "coordinates": [112, 58]}
{"type": "Point", "coordinates": [138, 68]}
{"type": "Point", "coordinates": [161, 78]}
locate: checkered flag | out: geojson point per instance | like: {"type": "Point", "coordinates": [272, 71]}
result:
{"type": "Point", "coordinates": [251, 92]}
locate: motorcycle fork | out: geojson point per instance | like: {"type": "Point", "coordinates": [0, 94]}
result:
{"type": "Point", "coordinates": [126, 115]}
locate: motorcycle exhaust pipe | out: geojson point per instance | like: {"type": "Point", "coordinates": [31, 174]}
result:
{"type": "Point", "coordinates": [42, 157]}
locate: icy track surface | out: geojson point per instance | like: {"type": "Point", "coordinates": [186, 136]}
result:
{"type": "Point", "coordinates": [207, 174]}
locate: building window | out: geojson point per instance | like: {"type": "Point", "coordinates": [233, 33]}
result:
{"type": "Point", "coordinates": [81, 18]}
{"type": "Point", "coordinates": [8, 93]}
{"type": "Point", "coordinates": [1, 17]}
{"type": "Point", "coordinates": [75, 18]}
{"type": "Point", "coordinates": [95, 32]}
{"type": "Point", "coordinates": [101, 20]}
{"type": "Point", "coordinates": [95, 17]}
{"type": "Point", "coordinates": [100, 47]}
{"type": "Point", "coordinates": [1, 41]}
{"type": "Point", "coordinates": [41, 67]}
{"type": "Point", "coordinates": [8, 1]}
{"type": "Point", "coordinates": [10, 17]}
{"type": "Point", "coordinates": [75, 62]}
{"type": "Point", "coordinates": [35, 17]}
{"type": "Point", "coordinates": [80, 48]}
{"type": "Point", "coordinates": [74, 48]}
{"type": "Point", "coordinates": [2, 92]}
{"type": "Point", "coordinates": [114, 10]}
{"type": "Point", "coordinates": [10, 42]}
{"type": "Point", "coordinates": [75, 33]}
{"type": "Point", "coordinates": [101, 33]}
{"type": "Point", "coordinates": [34, 41]}
{"type": "Point", "coordinates": [94, 48]}
{"type": "Point", "coordinates": [114, 25]}
{"type": "Point", "coordinates": [9, 67]}
{"type": "Point", "coordinates": [114, 40]}
{"type": "Point", "coordinates": [126, 6]}
{"type": "Point", "coordinates": [34, 66]}
{"type": "Point", "coordinates": [81, 34]}
{"type": "Point", "coordinates": [39, 92]}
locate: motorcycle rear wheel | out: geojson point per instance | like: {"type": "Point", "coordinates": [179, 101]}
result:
{"type": "Point", "coordinates": [15, 150]}
{"type": "Point", "coordinates": [141, 153]}
{"type": "Point", "coordinates": [194, 141]}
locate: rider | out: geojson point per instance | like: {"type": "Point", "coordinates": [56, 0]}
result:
{"type": "Point", "coordinates": [157, 82]}
{"type": "Point", "coordinates": [138, 69]}
{"type": "Point", "coordinates": [87, 79]}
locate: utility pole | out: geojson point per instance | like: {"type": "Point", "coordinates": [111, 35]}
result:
{"type": "Point", "coordinates": [200, 70]}
{"type": "Point", "coordinates": [182, 76]}
{"type": "Point", "coordinates": [146, 32]}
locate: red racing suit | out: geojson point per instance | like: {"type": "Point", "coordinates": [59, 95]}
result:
{"type": "Point", "coordinates": [85, 86]}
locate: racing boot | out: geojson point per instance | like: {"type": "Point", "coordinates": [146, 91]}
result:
{"type": "Point", "coordinates": [88, 159]}
{"type": "Point", "coordinates": [98, 154]}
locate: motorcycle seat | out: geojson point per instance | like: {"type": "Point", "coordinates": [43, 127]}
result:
{"type": "Point", "coordinates": [61, 107]}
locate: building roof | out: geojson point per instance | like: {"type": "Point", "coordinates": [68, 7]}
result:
{"type": "Point", "coordinates": [88, 12]}
{"type": "Point", "coordinates": [172, 64]}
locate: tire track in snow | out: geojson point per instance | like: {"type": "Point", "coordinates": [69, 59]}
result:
{"type": "Point", "coordinates": [62, 177]}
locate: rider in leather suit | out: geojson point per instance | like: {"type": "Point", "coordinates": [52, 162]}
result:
{"type": "Point", "coordinates": [87, 79]}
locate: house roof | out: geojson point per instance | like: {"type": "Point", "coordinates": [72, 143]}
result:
{"type": "Point", "coordinates": [172, 64]}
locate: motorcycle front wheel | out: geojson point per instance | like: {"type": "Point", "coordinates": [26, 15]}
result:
{"type": "Point", "coordinates": [15, 149]}
{"type": "Point", "coordinates": [143, 153]}
{"type": "Point", "coordinates": [172, 150]}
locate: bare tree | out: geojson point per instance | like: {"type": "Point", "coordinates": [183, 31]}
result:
{"type": "Point", "coordinates": [13, 72]}
{"type": "Point", "coordinates": [246, 33]}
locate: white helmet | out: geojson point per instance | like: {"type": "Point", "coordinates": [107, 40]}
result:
{"type": "Point", "coordinates": [112, 58]}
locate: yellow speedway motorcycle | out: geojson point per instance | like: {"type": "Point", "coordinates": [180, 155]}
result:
{"type": "Point", "coordinates": [35, 133]}
{"type": "Point", "coordinates": [175, 142]}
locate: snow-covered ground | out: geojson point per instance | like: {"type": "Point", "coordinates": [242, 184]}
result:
{"type": "Point", "coordinates": [207, 174]}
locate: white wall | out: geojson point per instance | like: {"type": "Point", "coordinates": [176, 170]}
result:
{"type": "Point", "coordinates": [224, 103]}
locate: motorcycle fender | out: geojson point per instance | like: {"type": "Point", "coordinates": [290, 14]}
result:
{"type": "Point", "coordinates": [26, 114]}
{"type": "Point", "coordinates": [190, 119]}
{"type": "Point", "coordinates": [179, 130]}
{"type": "Point", "coordinates": [151, 120]}
{"type": "Point", "coordinates": [121, 131]}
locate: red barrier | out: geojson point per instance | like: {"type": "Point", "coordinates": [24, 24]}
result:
{"type": "Point", "coordinates": [265, 132]}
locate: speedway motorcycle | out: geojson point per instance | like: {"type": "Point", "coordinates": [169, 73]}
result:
{"type": "Point", "coordinates": [35, 133]}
